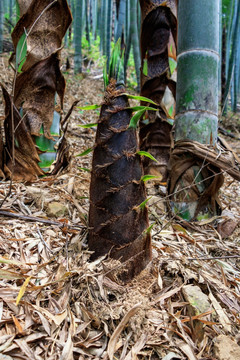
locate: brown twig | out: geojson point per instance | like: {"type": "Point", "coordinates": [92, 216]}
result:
{"type": "Point", "coordinates": [38, 219]}
{"type": "Point", "coordinates": [217, 257]}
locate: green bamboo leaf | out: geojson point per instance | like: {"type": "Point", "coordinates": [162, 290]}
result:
{"type": "Point", "coordinates": [140, 98]}
{"type": "Point", "coordinates": [120, 70]}
{"type": "Point", "coordinates": [170, 111]}
{"type": "Point", "coordinates": [105, 75]}
{"type": "Point", "coordinates": [86, 126]}
{"type": "Point", "coordinates": [147, 154]}
{"type": "Point", "coordinates": [172, 64]}
{"type": "Point", "coordinates": [148, 177]}
{"type": "Point", "coordinates": [143, 204]}
{"type": "Point", "coordinates": [170, 121]}
{"type": "Point", "coordinates": [136, 117]}
{"type": "Point", "coordinates": [85, 152]}
{"type": "Point", "coordinates": [84, 169]}
{"type": "Point", "coordinates": [140, 107]}
{"type": "Point", "coordinates": [89, 107]}
{"type": "Point", "coordinates": [145, 67]}
{"type": "Point", "coordinates": [115, 60]}
{"type": "Point", "coordinates": [149, 229]}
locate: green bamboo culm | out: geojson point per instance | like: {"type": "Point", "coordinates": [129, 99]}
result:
{"type": "Point", "coordinates": [94, 19]}
{"type": "Point", "coordinates": [121, 18]}
{"type": "Point", "coordinates": [135, 39]}
{"type": "Point", "coordinates": [198, 62]}
{"type": "Point", "coordinates": [78, 37]}
{"type": "Point", "coordinates": [233, 71]}
{"type": "Point", "coordinates": [197, 89]}
{"type": "Point", "coordinates": [128, 38]}
{"type": "Point", "coordinates": [87, 24]}
{"type": "Point", "coordinates": [109, 31]}
{"type": "Point", "coordinates": [1, 27]}
{"type": "Point", "coordinates": [104, 26]}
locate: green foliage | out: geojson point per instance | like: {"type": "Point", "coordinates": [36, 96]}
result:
{"type": "Point", "coordinates": [87, 126]}
{"type": "Point", "coordinates": [140, 111]}
{"type": "Point", "coordinates": [92, 53]}
{"type": "Point", "coordinates": [227, 9]}
{"type": "Point", "coordinates": [140, 107]}
{"type": "Point", "coordinates": [231, 25]}
{"type": "Point", "coordinates": [89, 107]}
{"type": "Point", "coordinates": [21, 52]}
{"type": "Point", "coordinates": [136, 117]}
{"type": "Point", "coordinates": [149, 229]}
{"type": "Point", "coordinates": [116, 65]}
{"type": "Point", "coordinates": [172, 64]}
{"type": "Point", "coordinates": [145, 178]}
{"type": "Point", "coordinates": [145, 67]}
{"type": "Point", "coordinates": [131, 74]}
{"type": "Point", "coordinates": [140, 98]}
{"type": "Point", "coordinates": [147, 154]}
{"type": "Point", "coordinates": [86, 152]}
{"type": "Point", "coordinates": [144, 203]}
{"type": "Point", "coordinates": [84, 169]}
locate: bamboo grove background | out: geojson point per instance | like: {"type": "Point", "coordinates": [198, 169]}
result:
{"type": "Point", "coordinates": [98, 24]}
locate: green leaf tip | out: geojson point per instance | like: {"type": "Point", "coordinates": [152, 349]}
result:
{"type": "Point", "coordinates": [149, 229]}
{"type": "Point", "coordinates": [86, 126]}
{"type": "Point", "coordinates": [116, 63]}
{"type": "Point", "coordinates": [145, 67]}
{"type": "Point", "coordinates": [147, 154]}
{"type": "Point", "coordinates": [148, 177]}
{"type": "Point", "coordinates": [84, 169]}
{"type": "Point", "coordinates": [144, 203]}
{"type": "Point", "coordinates": [135, 118]}
{"type": "Point", "coordinates": [141, 98]}
{"type": "Point", "coordinates": [141, 107]}
{"type": "Point", "coordinates": [85, 152]}
{"type": "Point", "coordinates": [140, 110]}
{"type": "Point", "coordinates": [89, 107]}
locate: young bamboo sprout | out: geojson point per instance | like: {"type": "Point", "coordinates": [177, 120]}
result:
{"type": "Point", "coordinates": [118, 224]}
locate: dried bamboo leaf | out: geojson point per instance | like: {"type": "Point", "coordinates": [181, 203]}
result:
{"type": "Point", "coordinates": [223, 318]}
{"type": "Point", "coordinates": [25, 348]}
{"type": "Point", "coordinates": [114, 338]}
{"type": "Point", "coordinates": [67, 353]}
{"type": "Point", "coordinates": [186, 349]}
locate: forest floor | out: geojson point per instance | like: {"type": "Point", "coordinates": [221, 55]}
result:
{"type": "Point", "coordinates": [55, 304]}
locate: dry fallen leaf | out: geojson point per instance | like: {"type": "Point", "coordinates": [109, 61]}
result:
{"type": "Point", "coordinates": [223, 319]}
{"type": "Point", "coordinates": [67, 353]}
{"type": "Point", "coordinates": [227, 227]}
{"type": "Point", "coordinates": [22, 290]}
{"type": "Point", "coordinates": [114, 338]}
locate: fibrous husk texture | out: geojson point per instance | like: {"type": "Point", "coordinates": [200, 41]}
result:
{"type": "Point", "coordinates": [211, 161]}
{"type": "Point", "coordinates": [158, 32]}
{"type": "Point", "coordinates": [117, 223]}
{"type": "Point", "coordinates": [25, 153]}
{"type": "Point", "coordinates": [44, 23]}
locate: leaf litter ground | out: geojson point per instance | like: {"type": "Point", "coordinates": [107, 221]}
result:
{"type": "Point", "coordinates": [55, 304]}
